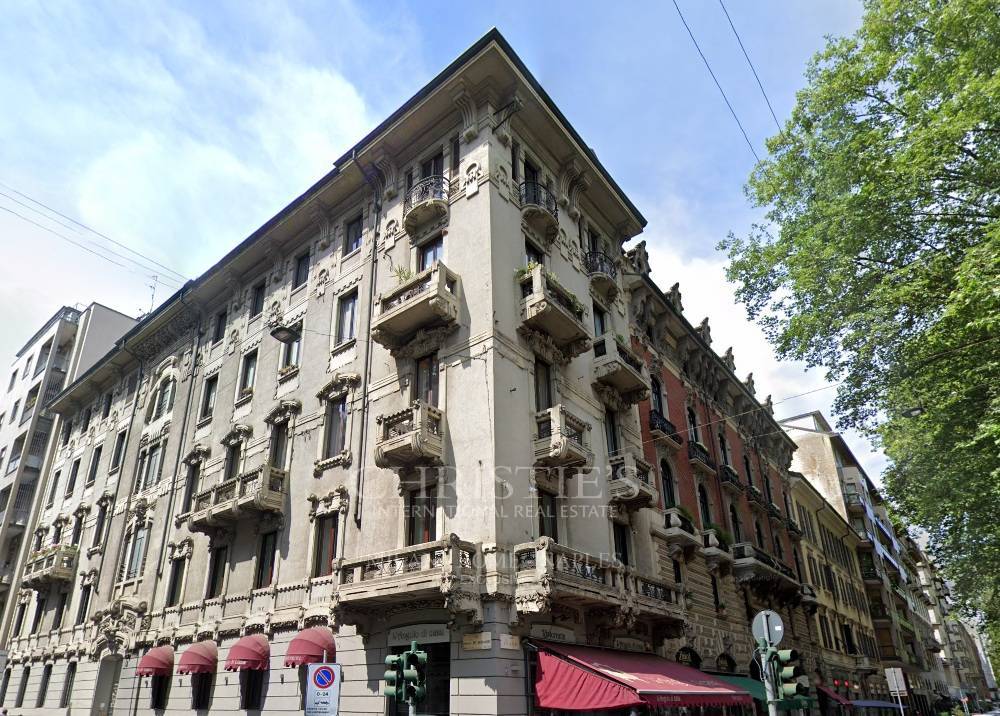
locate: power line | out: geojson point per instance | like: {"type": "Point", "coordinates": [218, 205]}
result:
{"type": "Point", "coordinates": [716, 80]}
{"type": "Point", "coordinates": [752, 68]}
{"type": "Point", "coordinates": [180, 276]}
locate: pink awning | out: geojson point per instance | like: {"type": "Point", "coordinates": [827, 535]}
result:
{"type": "Point", "coordinates": [158, 661]}
{"type": "Point", "coordinates": [251, 653]}
{"type": "Point", "coordinates": [834, 695]}
{"type": "Point", "coordinates": [199, 658]}
{"type": "Point", "coordinates": [309, 646]}
{"type": "Point", "coordinates": [583, 678]}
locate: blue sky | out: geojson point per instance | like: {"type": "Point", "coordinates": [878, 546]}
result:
{"type": "Point", "coordinates": [178, 130]}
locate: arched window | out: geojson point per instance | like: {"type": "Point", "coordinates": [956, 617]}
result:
{"type": "Point", "coordinates": [779, 551]}
{"type": "Point", "coordinates": [706, 513]}
{"type": "Point", "coordinates": [656, 396]}
{"type": "Point", "coordinates": [723, 446]}
{"type": "Point", "coordinates": [734, 523]}
{"type": "Point", "coordinates": [798, 564]}
{"type": "Point", "coordinates": [163, 398]}
{"type": "Point", "coordinates": [747, 470]}
{"type": "Point", "coordinates": [667, 478]}
{"type": "Point", "coordinates": [758, 533]}
{"type": "Point", "coordinates": [692, 425]}
{"type": "Point", "coordinates": [767, 488]}
{"type": "Point", "coordinates": [133, 557]}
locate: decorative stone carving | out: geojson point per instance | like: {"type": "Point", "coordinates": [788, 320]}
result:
{"type": "Point", "coordinates": [424, 342]}
{"type": "Point", "coordinates": [283, 412]}
{"type": "Point", "coordinates": [238, 434]}
{"type": "Point", "coordinates": [750, 384]}
{"type": "Point", "coordinates": [199, 454]}
{"type": "Point", "coordinates": [705, 331]}
{"type": "Point", "coordinates": [337, 500]}
{"type": "Point", "coordinates": [387, 166]}
{"type": "Point", "coordinates": [470, 115]}
{"type": "Point", "coordinates": [729, 359]}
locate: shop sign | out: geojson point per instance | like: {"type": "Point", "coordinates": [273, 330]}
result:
{"type": "Point", "coordinates": [549, 632]}
{"type": "Point", "coordinates": [688, 657]}
{"type": "Point", "coordinates": [627, 643]}
{"type": "Point", "coordinates": [480, 641]}
{"type": "Point", "coordinates": [509, 641]}
{"type": "Point", "coordinates": [420, 633]}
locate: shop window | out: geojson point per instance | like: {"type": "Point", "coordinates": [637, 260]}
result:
{"type": "Point", "coordinates": [252, 689]}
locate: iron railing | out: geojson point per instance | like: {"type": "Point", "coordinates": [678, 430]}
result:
{"type": "Point", "coordinates": [431, 188]}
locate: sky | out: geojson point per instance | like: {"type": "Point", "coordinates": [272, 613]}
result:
{"type": "Point", "coordinates": [178, 129]}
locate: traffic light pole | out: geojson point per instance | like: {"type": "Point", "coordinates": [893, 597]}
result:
{"type": "Point", "coordinates": [767, 675]}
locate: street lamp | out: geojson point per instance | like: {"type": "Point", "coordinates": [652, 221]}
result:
{"type": "Point", "coordinates": [285, 334]}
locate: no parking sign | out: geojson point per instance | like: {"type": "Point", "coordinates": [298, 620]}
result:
{"type": "Point", "coordinates": [323, 689]}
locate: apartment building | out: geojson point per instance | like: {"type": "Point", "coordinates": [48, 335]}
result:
{"type": "Point", "coordinates": [63, 348]}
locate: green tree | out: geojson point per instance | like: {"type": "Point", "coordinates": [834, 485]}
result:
{"type": "Point", "coordinates": [880, 261]}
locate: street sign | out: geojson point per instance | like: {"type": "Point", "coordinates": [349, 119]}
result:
{"type": "Point", "coordinates": [323, 689]}
{"type": "Point", "coordinates": [897, 684]}
{"type": "Point", "coordinates": [767, 625]}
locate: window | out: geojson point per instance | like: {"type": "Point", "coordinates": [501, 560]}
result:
{"type": "Point", "coordinates": [747, 470]}
{"type": "Point", "coordinates": [301, 270]}
{"type": "Point", "coordinates": [175, 582]}
{"type": "Point", "coordinates": [547, 525]}
{"type": "Point", "coordinates": [335, 433]}
{"type": "Point", "coordinates": [530, 172]}
{"type": "Point", "coordinates": [455, 154]}
{"type": "Point", "coordinates": [248, 372]}
{"type": "Point", "coordinates": [758, 534]}
{"type": "Point", "coordinates": [621, 542]}
{"type": "Point", "coordinates": [25, 675]}
{"type": "Point", "coordinates": [73, 472]}
{"type": "Point", "coordinates": [119, 451]}
{"type": "Point", "coordinates": [515, 170]}
{"type": "Point", "coordinates": [257, 295]}
{"type": "Point", "coordinates": [4, 684]}
{"type": "Point", "coordinates": [27, 368]}
{"type": "Point", "coordinates": [326, 544]}
{"type": "Point", "coordinates": [208, 393]}
{"type": "Point", "coordinates": [433, 167]}
{"type": "Point", "coordinates": [715, 593]}
{"type": "Point", "coordinates": [106, 407]}
{"type": "Point", "coordinates": [159, 689]}
{"type": "Point", "coordinates": [611, 431]}
{"type": "Point", "coordinates": [265, 560]}
{"type": "Point", "coordinates": [532, 254]}
{"type": "Point", "coordinates": [57, 533]}
{"type": "Point", "coordinates": [693, 425]}
{"type": "Point", "coordinates": [251, 689]}
{"type": "Point", "coordinates": [99, 522]}
{"type": "Point", "coordinates": [767, 488]}
{"type": "Point", "coordinates": [667, 478]}
{"type": "Point", "coordinates": [13, 411]}
{"type": "Point", "coordinates": [734, 523]}
{"type": "Point", "coordinates": [43, 686]}
{"type": "Point", "coordinates": [421, 517]}
{"type": "Point", "coordinates": [36, 618]}
{"type": "Point", "coordinates": [52, 490]}
{"type": "Point", "coordinates": [543, 385]}
{"type": "Point", "coordinates": [85, 423]}
{"type": "Point", "coordinates": [217, 571]}
{"type": "Point", "coordinates": [352, 236]}
{"type": "Point", "coordinates": [279, 445]}
{"type": "Point", "coordinates": [346, 310]}
{"type": "Point", "coordinates": [67, 690]}
{"type": "Point", "coordinates": [136, 553]}
{"type": "Point", "coordinates": [219, 330]}
{"type": "Point", "coordinates": [61, 602]}
{"type": "Point", "coordinates": [724, 447]}
{"type": "Point", "coordinates": [13, 379]}
{"type": "Point", "coordinates": [95, 461]}
{"type": "Point", "coordinates": [426, 383]}
{"type": "Point", "coordinates": [190, 486]}
{"type": "Point", "coordinates": [431, 253]}
{"type": "Point", "coordinates": [74, 538]}
{"type": "Point", "coordinates": [201, 691]}
{"type": "Point", "coordinates": [656, 396]}
{"type": "Point", "coordinates": [19, 618]}
{"type": "Point", "coordinates": [152, 465]}
{"type": "Point", "coordinates": [234, 454]}
{"type": "Point", "coordinates": [290, 351]}
{"type": "Point", "coordinates": [164, 398]}
{"type": "Point", "coordinates": [703, 507]}
{"type": "Point", "coordinates": [67, 430]}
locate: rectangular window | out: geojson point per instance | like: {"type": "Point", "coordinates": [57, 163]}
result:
{"type": "Point", "coordinates": [515, 171]}
{"type": "Point", "coordinates": [426, 383]}
{"type": "Point", "coordinates": [251, 689]}
{"type": "Point", "coordinates": [67, 431]}
{"type": "Point", "coordinates": [119, 452]}
{"type": "Point", "coordinates": [600, 321]}
{"type": "Point", "coordinates": [53, 490]}
{"type": "Point", "coordinates": [208, 393]}
{"type": "Point", "coordinates": [95, 461]}
{"type": "Point", "coordinates": [352, 236]}
{"type": "Point", "coordinates": [279, 445]}
{"type": "Point", "coordinates": [422, 517]}
{"type": "Point", "coordinates": [219, 331]}
{"type": "Point", "coordinates": [532, 255]}
{"type": "Point", "coordinates": [153, 466]}
{"type": "Point", "coordinates": [248, 373]}
{"type": "Point", "coordinates": [346, 310]}
{"type": "Point", "coordinates": [190, 486]}
{"type": "Point", "coordinates": [543, 385]}
{"type": "Point", "coordinates": [257, 299]}
{"type": "Point", "coordinates": [106, 408]}
{"type": "Point", "coordinates": [13, 379]}
{"type": "Point", "coordinates": [335, 434]}
{"type": "Point", "coordinates": [61, 603]}
{"type": "Point", "coordinates": [175, 582]}
{"type": "Point", "coordinates": [301, 270]}
{"type": "Point", "coordinates": [102, 517]}
{"type": "Point", "coordinates": [19, 618]}
{"type": "Point", "coordinates": [290, 351]}
{"type": "Point", "coordinates": [326, 544]}
{"type": "Point", "coordinates": [137, 555]}
{"type": "Point", "coordinates": [74, 471]}
{"type": "Point", "coordinates": [159, 689]}
{"type": "Point", "coordinates": [201, 691]}
{"type": "Point", "coordinates": [431, 253]}
{"type": "Point", "coordinates": [217, 572]}
{"type": "Point", "coordinates": [611, 431]}
{"type": "Point", "coordinates": [67, 690]}
{"type": "Point", "coordinates": [36, 618]}
{"type": "Point", "coordinates": [265, 560]}
{"type": "Point", "coordinates": [43, 686]}
{"type": "Point", "coordinates": [234, 454]}
{"type": "Point", "coordinates": [433, 167]}
{"type": "Point", "coordinates": [456, 155]}
{"type": "Point", "coordinates": [25, 675]}
{"type": "Point", "coordinates": [547, 525]}
{"type": "Point", "coordinates": [621, 542]}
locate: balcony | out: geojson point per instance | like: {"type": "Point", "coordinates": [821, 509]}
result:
{"type": "Point", "coordinates": [629, 482]}
{"type": "Point", "coordinates": [807, 597]}
{"type": "Point", "coordinates": [715, 550]}
{"type": "Point", "coordinates": [933, 645]}
{"type": "Point", "coordinates": [539, 209]}
{"type": "Point", "coordinates": [412, 436]}
{"type": "Point", "coordinates": [700, 460]}
{"type": "Point", "coordinates": [754, 565]}
{"type": "Point", "coordinates": [905, 624]}
{"type": "Point", "coordinates": [755, 497]}
{"type": "Point", "coordinates": [428, 299]}
{"type": "Point", "coordinates": [865, 540]}
{"type": "Point", "coordinates": [254, 493]}
{"type": "Point", "coordinates": [854, 503]}
{"type": "Point", "coordinates": [55, 563]}
{"type": "Point", "coordinates": [880, 614]}
{"type": "Point", "coordinates": [678, 532]}
{"type": "Point", "coordinates": [561, 439]}
{"type": "Point", "coordinates": [871, 575]}
{"type": "Point", "coordinates": [553, 311]}
{"type": "Point", "coordinates": [617, 367]}
{"type": "Point", "coordinates": [603, 272]}
{"type": "Point", "coordinates": [730, 479]}
{"type": "Point", "coordinates": [774, 512]}
{"type": "Point", "coordinates": [426, 202]}
{"type": "Point", "coordinates": [18, 519]}
{"type": "Point", "coordinates": [7, 576]}
{"type": "Point", "coordinates": [664, 431]}
{"type": "Point", "coordinates": [866, 664]}
{"type": "Point", "coordinates": [794, 531]}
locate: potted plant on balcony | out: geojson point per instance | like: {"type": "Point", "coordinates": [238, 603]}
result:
{"type": "Point", "coordinates": [402, 274]}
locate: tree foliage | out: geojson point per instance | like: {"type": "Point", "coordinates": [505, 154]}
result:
{"type": "Point", "coordinates": [880, 261]}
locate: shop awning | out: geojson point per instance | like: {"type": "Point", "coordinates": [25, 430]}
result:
{"type": "Point", "coordinates": [834, 695]}
{"type": "Point", "coordinates": [310, 645]}
{"type": "Point", "coordinates": [251, 653]}
{"type": "Point", "coordinates": [158, 661]}
{"type": "Point", "coordinates": [199, 658]}
{"type": "Point", "coordinates": [874, 704]}
{"type": "Point", "coordinates": [582, 678]}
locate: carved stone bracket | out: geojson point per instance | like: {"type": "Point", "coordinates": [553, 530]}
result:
{"type": "Point", "coordinates": [424, 342]}
{"type": "Point", "coordinates": [199, 454]}
{"type": "Point", "coordinates": [470, 119]}
{"type": "Point", "coordinates": [338, 386]}
{"type": "Point", "coordinates": [283, 412]}
{"type": "Point", "coordinates": [238, 434]}
{"type": "Point", "coordinates": [336, 500]}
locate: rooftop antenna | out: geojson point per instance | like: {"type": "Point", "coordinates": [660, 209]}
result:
{"type": "Point", "coordinates": [152, 296]}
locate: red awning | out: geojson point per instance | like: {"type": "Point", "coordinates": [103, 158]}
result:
{"type": "Point", "coordinates": [582, 678]}
{"type": "Point", "coordinates": [251, 653]}
{"type": "Point", "coordinates": [309, 646]}
{"type": "Point", "coordinates": [199, 658]}
{"type": "Point", "coordinates": [158, 661]}
{"type": "Point", "coordinates": [834, 695]}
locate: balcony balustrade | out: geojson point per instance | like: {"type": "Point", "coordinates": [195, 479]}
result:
{"type": "Point", "coordinates": [251, 494]}
{"type": "Point", "coordinates": [427, 299]}
{"type": "Point", "coordinates": [562, 439]}
{"type": "Point", "coordinates": [730, 479]}
{"type": "Point", "coordinates": [866, 664]}
{"type": "Point", "coordinates": [807, 597]}
{"type": "Point", "coordinates": [933, 645]}
{"type": "Point", "coordinates": [617, 367]}
{"type": "Point", "coordinates": [700, 460]}
{"type": "Point", "coordinates": [55, 563]}
{"type": "Point", "coordinates": [754, 565]}
{"type": "Point", "coordinates": [880, 612]}
{"type": "Point", "coordinates": [7, 576]}
{"type": "Point", "coordinates": [663, 430]}
{"type": "Point", "coordinates": [679, 532]}
{"type": "Point", "coordinates": [794, 530]}
{"type": "Point", "coordinates": [854, 503]}
{"type": "Point", "coordinates": [715, 550]}
{"type": "Point", "coordinates": [539, 208]}
{"type": "Point", "coordinates": [755, 497]}
{"type": "Point", "coordinates": [550, 309]}
{"type": "Point", "coordinates": [425, 202]}
{"type": "Point", "coordinates": [630, 482]}
{"type": "Point", "coordinates": [412, 436]}
{"type": "Point", "coordinates": [603, 272]}
{"type": "Point", "coordinates": [871, 574]}
{"type": "Point", "coordinates": [774, 512]}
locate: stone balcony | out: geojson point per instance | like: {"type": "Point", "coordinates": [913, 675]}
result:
{"type": "Point", "coordinates": [561, 439]}
{"type": "Point", "coordinates": [774, 512]}
{"type": "Point", "coordinates": [551, 316]}
{"type": "Point", "coordinates": [871, 575]}
{"type": "Point", "coordinates": [630, 482]}
{"type": "Point", "coordinates": [700, 460]}
{"type": "Point", "coordinates": [730, 479]}
{"type": "Point", "coordinates": [617, 367]}
{"type": "Point", "coordinates": [678, 532]}
{"type": "Point", "coordinates": [854, 503]}
{"type": "Point", "coordinates": [716, 551]}
{"type": "Point", "coordinates": [664, 431]}
{"type": "Point", "coordinates": [756, 566]}
{"type": "Point", "coordinates": [539, 208]}
{"type": "Point", "coordinates": [794, 530]}
{"type": "Point", "coordinates": [252, 494]}
{"type": "Point", "coordinates": [807, 598]}
{"type": "Point", "coordinates": [424, 203]}
{"type": "Point", "coordinates": [866, 664]}
{"type": "Point", "coordinates": [603, 272]}
{"type": "Point", "coordinates": [49, 565]}
{"type": "Point", "coordinates": [426, 300]}
{"type": "Point", "coordinates": [409, 437]}
{"type": "Point", "coordinates": [755, 497]}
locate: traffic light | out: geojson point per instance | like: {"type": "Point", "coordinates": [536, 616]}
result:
{"type": "Point", "coordinates": [393, 677]}
{"type": "Point", "coordinates": [415, 674]}
{"type": "Point", "coordinates": [788, 674]}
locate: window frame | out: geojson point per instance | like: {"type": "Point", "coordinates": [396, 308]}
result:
{"type": "Point", "coordinates": [352, 244]}
{"type": "Point", "coordinates": [349, 299]}
{"type": "Point", "coordinates": [327, 527]}
{"type": "Point", "coordinates": [300, 270]}
{"type": "Point", "coordinates": [258, 297]}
